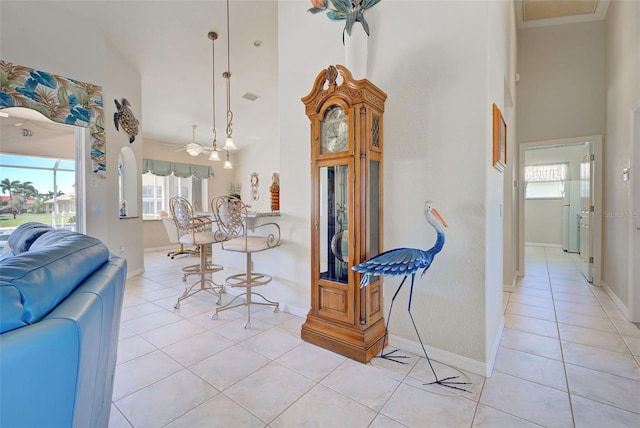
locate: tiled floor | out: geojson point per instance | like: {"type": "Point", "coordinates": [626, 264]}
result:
{"type": "Point", "coordinates": [568, 357]}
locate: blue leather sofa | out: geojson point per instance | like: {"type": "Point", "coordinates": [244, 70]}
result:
{"type": "Point", "coordinates": [60, 303]}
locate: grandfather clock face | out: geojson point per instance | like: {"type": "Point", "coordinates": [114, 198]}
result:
{"type": "Point", "coordinates": [334, 130]}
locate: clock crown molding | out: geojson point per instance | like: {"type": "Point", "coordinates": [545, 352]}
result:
{"type": "Point", "coordinates": [352, 90]}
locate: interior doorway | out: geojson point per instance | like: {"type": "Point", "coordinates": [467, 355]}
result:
{"type": "Point", "coordinates": [560, 195]}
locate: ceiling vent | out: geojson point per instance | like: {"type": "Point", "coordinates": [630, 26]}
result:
{"type": "Point", "coordinates": [251, 97]}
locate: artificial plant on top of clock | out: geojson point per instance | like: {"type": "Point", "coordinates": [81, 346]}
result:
{"type": "Point", "coordinates": [350, 10]}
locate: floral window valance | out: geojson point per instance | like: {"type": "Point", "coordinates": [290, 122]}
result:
{"type": "Point", "coordinates": [60, 99]}
{"type": "Point", "coordinates": [182, 170]}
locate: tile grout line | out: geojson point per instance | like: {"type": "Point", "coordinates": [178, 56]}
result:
{"type": "Point", "coordinates": [564, 364]}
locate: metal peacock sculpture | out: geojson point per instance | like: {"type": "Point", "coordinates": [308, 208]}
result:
{"type": "Point", "coordinates": [405, 262]}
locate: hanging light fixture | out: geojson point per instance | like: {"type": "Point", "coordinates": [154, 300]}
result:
{"type": "Point", "coordinates": [227, 163]}
{"type": "Point", "coordinates": [193, 148]}
{"type": "Point", "coordinates": [228, 142]}
{"type": "Point", "coordinates": [214, 156]}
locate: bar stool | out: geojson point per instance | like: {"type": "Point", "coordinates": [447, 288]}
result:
{"type": "Point", "coordinates": [231, 215]}
{"type": "Point", "coordinates": [196, 230]}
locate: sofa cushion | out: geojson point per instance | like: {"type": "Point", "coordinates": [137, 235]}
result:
{"type": "Point", "coordinates": [26, 234]}
{"type": "Point", "coordinates": [35, 281]}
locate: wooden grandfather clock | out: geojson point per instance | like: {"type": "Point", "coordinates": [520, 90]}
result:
{"type": "Point", "coordinates": [346, 213]}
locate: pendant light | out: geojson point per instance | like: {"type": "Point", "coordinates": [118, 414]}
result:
{"type": "Point", "coordinates": [228, 143]}
{"type": "Point", "coordinates": [193, 148]}
{"type": "Point", "coordinates": [227, 163]}
{"type": "Point", "coordinates": [214, 156]}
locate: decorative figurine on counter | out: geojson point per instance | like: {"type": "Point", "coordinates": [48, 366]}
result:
{"type": "Point", "coordinates": [123, 209]}
{"type": "Point", "coordinates": [405, 262]}
{"type": "Point", "coordinates": [127, 120]}
{"type": "Point", "coordinates": [275, 191]}
{"type": "Point", "coordinates": [255, 195]}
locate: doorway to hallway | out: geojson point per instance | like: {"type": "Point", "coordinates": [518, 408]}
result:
{"type": "Point", "coordinates": [560, 196]}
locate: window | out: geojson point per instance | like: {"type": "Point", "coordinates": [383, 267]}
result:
{"type": "Point", "coordinates": [545, 181]}
{"type": "Point", "coordinates": [157, 190]}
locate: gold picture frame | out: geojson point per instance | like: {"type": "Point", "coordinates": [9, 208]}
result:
{"type": "Point", "coordinates": [499, 139]}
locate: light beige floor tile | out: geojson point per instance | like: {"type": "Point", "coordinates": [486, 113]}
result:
{"type": "Point", "coordinates": [594, 310]}
{"type": "Point", "coordinates": [125, 332]}
{"type": "Point", "coordinates": [588, 413]}
{"type": "Point", "coordinates": [294, 324]}
{"type": "Point", "coordinates": [133, 347]}
{"type": "Point", "coordinates": [116, 420]}
{"type": "Point", "coordinates": [273, 342]}
{"type": "Point", "coordinates": [229, 366]}
{"type": "Point", "coordinates": [311, 361]}
{"type": "Point", "coordinates": [531, 311]}
{"type": "Point", "coordinates": [132, 300]}
{"type": "Point", "coordinates": [159, 294]}
{"type": "Point", "coordinates": [137, 311]}
{"type": "Point", "coordinates": [152, 321]}
{"type": "Point", "coordinates": [322, 407]}
{"type": "Point", "coordinates": [616, 363]}
{"type": "Point", "coordinates": [614, 313]}
{"type": "Point", "coordinates": [527, 299]}
{"type": "Point", "coordinates": [234, 329]}
{"type": "Point", "coordinates": [634, 345]}
{"type": "Point", "coordinates": [421, 376]}
{"type": "Point", "coordinates": [361, 382]}
{"type": "Point", "coordinates": [603, 387]}
{"type": "Point", "coordinates": [393, 369]}
{"type": "Point", "coordinates": [576, 298]}
{"type": "Point", "coordinates": [585, 321]}
{"type": "Point", "coordinates": [219, 411]}
{"type": "Point", "coordinates": [275, 318]}
{"type": "Point", "coordinates": [531, 367]}
{"type": "Point", "coordinates": [160, 403]}
{"type": "Point", "coordinates": [587, 336]}
{"type": "Point", "coordinates": [415, 407]}
{"type": "Point", "coordinates": [536, 292]}
{"type": "Point", "coordinates": [264, 394]}
{"type": "Point", "coordinates": [143, 371]}
{"type": "Point", "coordinates": [531, 325]}
{"type": "Point", "coordinates": [197, 347]}
{"type": "Point", "coordinates": [627, 328]}
{"type": "Point", "coordinates": [172, 333]}
{"type": "Point", "coordinates": [381, 421]}
{"type": "Point", "coordinates": [531, 343]}
{"type": "Point", "coordinates": [487, 417]}
{"type": "Point", "coordinates": [527, 400]}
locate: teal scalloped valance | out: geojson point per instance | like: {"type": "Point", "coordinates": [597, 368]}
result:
{"type": "Point", "coordinates": [183, 170]}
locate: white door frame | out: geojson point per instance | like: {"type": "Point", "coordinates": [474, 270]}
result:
{"type": "Point", "coordinates": [596, 226]}
{"type": "Point", "coordinates": [634, 215]}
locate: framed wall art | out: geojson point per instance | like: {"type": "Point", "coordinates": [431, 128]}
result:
{"type": "Point", "coordinates": [499, 139]}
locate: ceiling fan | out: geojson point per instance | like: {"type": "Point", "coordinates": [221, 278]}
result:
{"type": "Point", "coordinates": [195, 149]}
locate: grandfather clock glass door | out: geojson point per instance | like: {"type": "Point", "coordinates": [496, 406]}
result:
{"type": "Point", "coordinates": [333, 271]}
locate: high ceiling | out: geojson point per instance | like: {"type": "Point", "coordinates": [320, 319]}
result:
{"type": "Point", "coordinates": [166, 41]}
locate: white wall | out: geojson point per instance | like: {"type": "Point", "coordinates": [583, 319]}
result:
{"type": "Point", "coordinates": [623, 95]}
{"type": "Point", "coordinates": [441, 78]}
{"type": "Point", "coordinates": [89, 58]}
{"type": "Point", "coordinates": [561, 91]}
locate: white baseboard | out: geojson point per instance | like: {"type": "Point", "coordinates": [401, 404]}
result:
{"type": "Point", "coordinates": [494, 349]}
{"type": "Point", "coordinates": [510, 288]}
{"type": "Point", "coordinates": [616, 300]}
{"type": "Point", "coordinates": [135, 272]}
{"type": "Point", "coordinates": [542, 244]}
{"type": "Point", "coordinates": [445, 357]}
